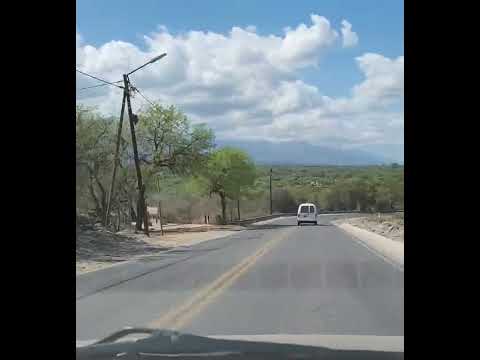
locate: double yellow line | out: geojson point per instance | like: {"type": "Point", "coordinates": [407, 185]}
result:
{"type": "Point", "coordinates": [182, 315]}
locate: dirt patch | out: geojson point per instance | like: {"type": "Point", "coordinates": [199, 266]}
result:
{"type": "Point", "coordinates": [98, 248]}
{"type": "Point", "coordinates": [388, 225]}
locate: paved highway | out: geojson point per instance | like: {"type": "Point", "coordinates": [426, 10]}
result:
{"type": "Point", "coordinates": [272, 279]}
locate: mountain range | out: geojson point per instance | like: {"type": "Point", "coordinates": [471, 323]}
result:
{"type": "Point", "coordinates": [302, 153]}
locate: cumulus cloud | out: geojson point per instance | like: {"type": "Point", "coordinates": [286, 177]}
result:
{"type": "Point", "coordinates": [303, 45]}
{"type": "Point", "coordinates": [246, 85]}
{"type": "Point", "coordinates": [350, 38]}
{"type": "Point", "coordinates": [384, 78]}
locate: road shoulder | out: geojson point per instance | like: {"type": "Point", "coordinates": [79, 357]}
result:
{"type": "Point", "coordinates": [98, 249]}
{"type": "Point", "coordinates": [390, 250]}
{"type": "Point", "coordinates": [92, 282]}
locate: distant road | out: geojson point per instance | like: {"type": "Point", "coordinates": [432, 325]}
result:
{"type": "Point", "coordinates": [276, 278]}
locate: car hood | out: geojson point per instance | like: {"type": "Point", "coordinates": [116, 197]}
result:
{"type": "Point", "coordinates": [336, 342]}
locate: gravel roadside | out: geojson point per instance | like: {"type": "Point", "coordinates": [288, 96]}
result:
{"type": "Point", "coordinates": [389, 225]}
{"type": "Point", "coordinates": [97, 248]}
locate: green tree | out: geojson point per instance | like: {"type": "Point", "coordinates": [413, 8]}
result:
{"type": "Point", "coordinates": [227, 172]}
{"type": "Point", "coordinates": [94, 156]}
{"type": "Point", "coordinates": [166, 139]}
{"type": "Point", "coordinates": [283, 201]}
{"type": "Point", "coordinates": [383, 198]}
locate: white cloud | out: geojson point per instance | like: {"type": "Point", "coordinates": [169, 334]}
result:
{"type": "Point", "coordinates": [302, 46]}
{"type": "Point", "coordinates": [350, 38]}
{"type": "Point", "coordinates": [246, 85]}
{"type": "Point", "coordinates": [384, 78]}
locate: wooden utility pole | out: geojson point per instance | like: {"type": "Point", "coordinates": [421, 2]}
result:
{"type": "Point", "coordinates": [141, 189]}
{"type": "Point", "coordinates": [117, 159]}
{"type": "Point", "coordinates": [118, 219]}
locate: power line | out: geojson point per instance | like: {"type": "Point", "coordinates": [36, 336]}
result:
{"type": "Point", "coordinates": [94, 86]}
{"type": "Point", "coordinates": [94, 77]}
{"type": "Point", "coordinates": [150, 102]}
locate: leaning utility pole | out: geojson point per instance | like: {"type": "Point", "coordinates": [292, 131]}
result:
{"type": "Point", "coordinates": [117, 159]}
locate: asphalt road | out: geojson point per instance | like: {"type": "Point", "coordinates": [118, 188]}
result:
{"type": "Point", "coordinates": [272, 279]}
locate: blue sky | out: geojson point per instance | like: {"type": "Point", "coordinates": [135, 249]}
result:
{"type": "Point", "coordinates": [235, 66]}
{"type": "Point", "coordinates": [379, 24]}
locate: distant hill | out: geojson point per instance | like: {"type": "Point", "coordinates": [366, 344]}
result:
{"type": "Point", "coordinates": [390, 151]}
{"type": "Point", "coordinates": [300, 153]}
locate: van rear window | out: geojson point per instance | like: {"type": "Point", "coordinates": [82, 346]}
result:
{"type": "Point", "coordinates": [312, 209]}
{"type": "Point", "coordinates": [304, 209]}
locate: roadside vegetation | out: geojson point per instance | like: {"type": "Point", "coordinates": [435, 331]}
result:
{"type": "Point", "coordinates": [336, 188]}
{"type": "Point", "coordinates": [189, 180]}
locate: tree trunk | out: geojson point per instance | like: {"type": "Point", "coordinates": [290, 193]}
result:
{"type": "Point", "coordinates": [146, 219]}
{"type": "Point", "coordinates": [119, 219]}
{"type": "Point", "coordinates": [103, 197]}
{"type": "Point", "coordinates": [160, 216]}
{"type": "Point", "coordinates": [140, 213]}
{"type": "Point", "coordinates": [133, 214]}
{"type": "Point", "coordinates": [93, 195]}
{"type": "Point", "coordinates": [224, 207]}
{"type": "Point", "coordinates": [238, 208]}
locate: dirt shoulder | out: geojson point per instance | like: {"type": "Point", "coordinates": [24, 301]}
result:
{"type": "Point", "coordinates": [97, 248]}
{"type": "Point", "coordinates": [389, 225]}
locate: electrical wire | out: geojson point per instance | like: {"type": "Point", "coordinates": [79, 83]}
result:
{"type": "Point", "coordinates": [150, 102]}
{"type": "Point", "coordinates": [94, 86]}
{"type": "Point", "coordinates": [96, 78]}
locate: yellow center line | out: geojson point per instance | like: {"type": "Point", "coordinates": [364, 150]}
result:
{"type": "Point", "coordinates": [181, 315]}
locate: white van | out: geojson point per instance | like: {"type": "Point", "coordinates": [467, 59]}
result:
{"type": "Point", "coordinates": [307, 213]}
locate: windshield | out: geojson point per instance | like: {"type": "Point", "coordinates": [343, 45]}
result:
{"type": "Point", "coordinates": [239, 168]}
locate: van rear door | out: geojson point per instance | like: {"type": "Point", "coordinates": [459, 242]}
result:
{"type": "Point", "coordinates": [303, 212]}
